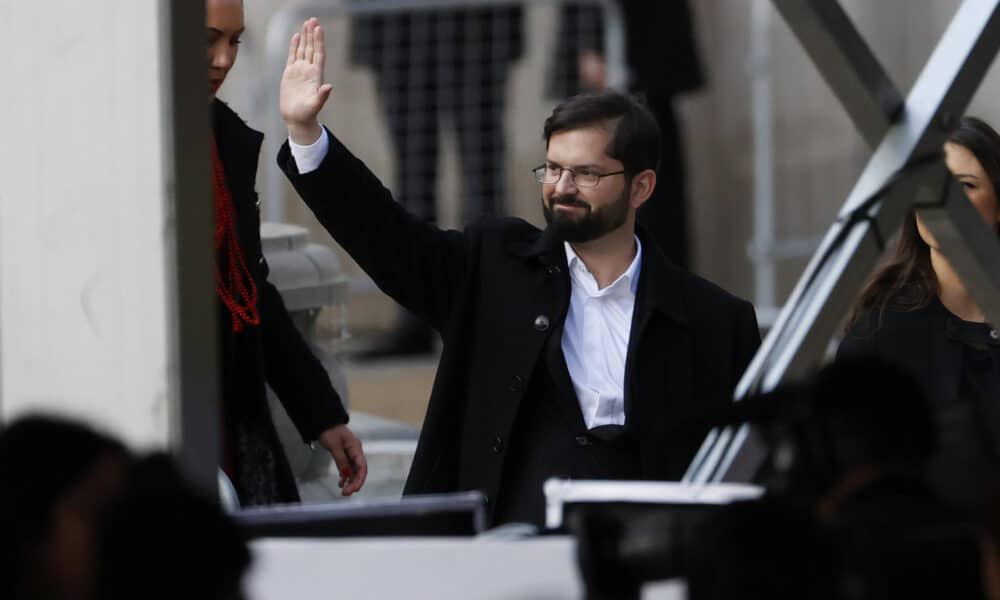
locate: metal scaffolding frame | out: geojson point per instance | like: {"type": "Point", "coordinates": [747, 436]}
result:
{"type": "Point", "coordinates": [905, 171]}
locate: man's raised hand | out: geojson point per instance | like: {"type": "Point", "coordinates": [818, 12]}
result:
{"type": "Point", "coordinates": [303, 92]}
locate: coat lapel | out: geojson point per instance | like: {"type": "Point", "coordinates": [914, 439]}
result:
{"type": "Point", "coordinates": [659, 369]}
{"type": "Point", "coordinates": [551, 256]}
{"type": "Point", "coordinates": [239, 147]}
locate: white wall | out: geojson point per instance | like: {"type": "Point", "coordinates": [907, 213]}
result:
{"type": "Point", "coordinates": [83, 284]}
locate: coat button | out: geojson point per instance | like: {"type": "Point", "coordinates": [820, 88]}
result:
{"type": "Point", "coordinates": [553, 269]}
{"type": "Point", "coordinates": [583, 440]}
{"type": "Point", "coordinates": [994, 334]}
{"type": "Point", "coordinates": [497, 445]}
{"type": "Point", "coordinates": [516, 383]}
{"type": "Point", "coordinates": [260, 260]}
{"type": "Point", "coordinates": [541, 323]}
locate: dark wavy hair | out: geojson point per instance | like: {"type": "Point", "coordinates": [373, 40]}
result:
{"type": "Point", "coordinates": [635, 136]}
{"type": "Point", "coordinates": [906, 279]}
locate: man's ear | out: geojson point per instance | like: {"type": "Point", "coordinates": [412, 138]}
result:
{"type": "Point", "coordinates": [643, 184]}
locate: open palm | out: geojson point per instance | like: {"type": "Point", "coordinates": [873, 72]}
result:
{"type": "Point", "coordinates": [303, 92]}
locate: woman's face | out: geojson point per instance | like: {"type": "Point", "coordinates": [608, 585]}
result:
{"type": "Point", "coordinates": [965, 168]}
{"type": "Point", "coordinates": [224, 20]}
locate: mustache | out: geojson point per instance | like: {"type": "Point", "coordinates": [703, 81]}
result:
{"type": "Point", "coordinates": [569, 201]}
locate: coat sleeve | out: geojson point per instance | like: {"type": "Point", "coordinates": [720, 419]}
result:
{"type": "Point", "coordinates": [418, 265]}
{"type": "Point", "coordinates": [297, 377]}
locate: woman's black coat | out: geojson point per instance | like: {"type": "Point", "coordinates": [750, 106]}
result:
{"type": "Point", "coordinates": [272, 353]}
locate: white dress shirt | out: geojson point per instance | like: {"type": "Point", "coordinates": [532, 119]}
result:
{"type": "Point", "coordinates": [308, 158]}
{"type": "Point", "coordinates": [597, 328]}
{"type": "Point", "coordinates": [595, 339]}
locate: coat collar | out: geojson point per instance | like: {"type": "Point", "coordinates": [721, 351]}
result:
{"type": "Point", "coordinates": [661, 284]}
{"type": "Point", "coordinates": [239, 145]}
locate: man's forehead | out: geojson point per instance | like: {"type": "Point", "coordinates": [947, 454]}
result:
{"type": "Point", "coordinates": [585, 146]}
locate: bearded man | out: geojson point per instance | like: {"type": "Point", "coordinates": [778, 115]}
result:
{"type": "Point", "coordinates": [575, 351]}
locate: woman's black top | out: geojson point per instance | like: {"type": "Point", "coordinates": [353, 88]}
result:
{"type": "Point", "coordinates": [958, 364]}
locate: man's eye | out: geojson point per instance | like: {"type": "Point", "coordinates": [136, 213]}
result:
{"type": "Point", "coordinates": [586, 173]}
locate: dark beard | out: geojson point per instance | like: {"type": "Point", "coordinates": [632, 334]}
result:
{"type": "Point", "coordinates": [591, 225]}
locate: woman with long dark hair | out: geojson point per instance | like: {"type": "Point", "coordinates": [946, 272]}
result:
{"type": "Point", "coordinates": [258, 341]}
{"type": "Point", "coordinates": [917, 312]}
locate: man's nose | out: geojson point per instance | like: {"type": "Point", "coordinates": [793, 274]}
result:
{"type": "Point", "coordinates": [565, 182]}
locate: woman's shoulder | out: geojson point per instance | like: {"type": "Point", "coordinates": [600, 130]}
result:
{"type": "Point", "coordinates": [876, 330]}
{"type": "Point", "coordinates": [227, 122]}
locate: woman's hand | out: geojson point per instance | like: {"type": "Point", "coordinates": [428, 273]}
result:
{"type": "Point", "coordinates": [346, 450]}
{"type": "Point", "coordinates": [303, 92]}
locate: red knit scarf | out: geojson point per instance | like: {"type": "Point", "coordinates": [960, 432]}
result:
{"type": "Point", "coordinates": [233, 281]}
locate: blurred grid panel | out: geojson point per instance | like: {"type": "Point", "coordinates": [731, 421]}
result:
{"type": "Point", "coordinates": [443, 65]}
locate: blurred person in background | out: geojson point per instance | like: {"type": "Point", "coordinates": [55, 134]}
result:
{"type": "Point", "coordinates": [917, 313]}
{"type": "Point", "coordinates": [762, 549]}
{"type": "Point", "coordinates": [60, 479]}
{"type": "Point", "coordinates": [431, 65]}
{"type": "Point", "coordinates": [867, 435]}
{"type": "Point", "coordinates": [259, 343]}
{"type": "Point", "coordinates": [162, 539]}
{"type": "Point", "coordinates": [661, 56]}
{"type": "Point", "coordinates": [575, 351]}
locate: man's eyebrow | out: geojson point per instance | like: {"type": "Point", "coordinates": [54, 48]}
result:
{"type": "Point", "coordinates": [585, 166]}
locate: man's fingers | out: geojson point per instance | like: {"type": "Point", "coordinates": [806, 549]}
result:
{"type": "Point", "coordinates": [310, 40]}
{"type": "Point", "coordinates": [300, 51]}
{"type": "Point", "coordinates": [293, 48]}
{"type": "Point", "coordinates": [319, 50]}
{"type": "Point", "coordinates": [324, 93]}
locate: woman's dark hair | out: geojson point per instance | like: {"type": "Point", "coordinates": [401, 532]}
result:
{"type": "Point", "coordinates": [906, 280]}
{"type": "Point", "coordinates": [635, 138]}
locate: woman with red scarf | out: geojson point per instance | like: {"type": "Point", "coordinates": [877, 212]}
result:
{"type": "Point", "coordinates": [258, 342]}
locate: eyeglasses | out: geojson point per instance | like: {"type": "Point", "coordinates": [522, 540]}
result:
{"type": "Point", "coordinates": [580, 178]}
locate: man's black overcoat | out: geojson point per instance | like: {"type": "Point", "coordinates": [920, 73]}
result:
{"type": "Point", "coordinates": [273, 353]}
{"type": "Point", "coordinates": [496, 291]}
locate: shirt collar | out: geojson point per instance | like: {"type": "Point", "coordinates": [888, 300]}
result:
{"type": "Point", "coordinates": [630, 277]}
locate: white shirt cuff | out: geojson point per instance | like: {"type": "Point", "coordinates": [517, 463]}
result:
{"type": "Point", "coordinates": [308, 158]}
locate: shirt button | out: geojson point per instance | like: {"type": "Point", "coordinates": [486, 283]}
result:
{"type": "Point", "coordinates": [516, 383]}
{"type": "Point", "coordinates": [497, 445]}
{"type": "Point", "coordinates": [541, 323]}
{"type": "Point", "coordinates": [583, 440]}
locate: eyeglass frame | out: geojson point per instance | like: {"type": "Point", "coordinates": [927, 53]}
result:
{"type": "Point", "coordinates": [572, 176]}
